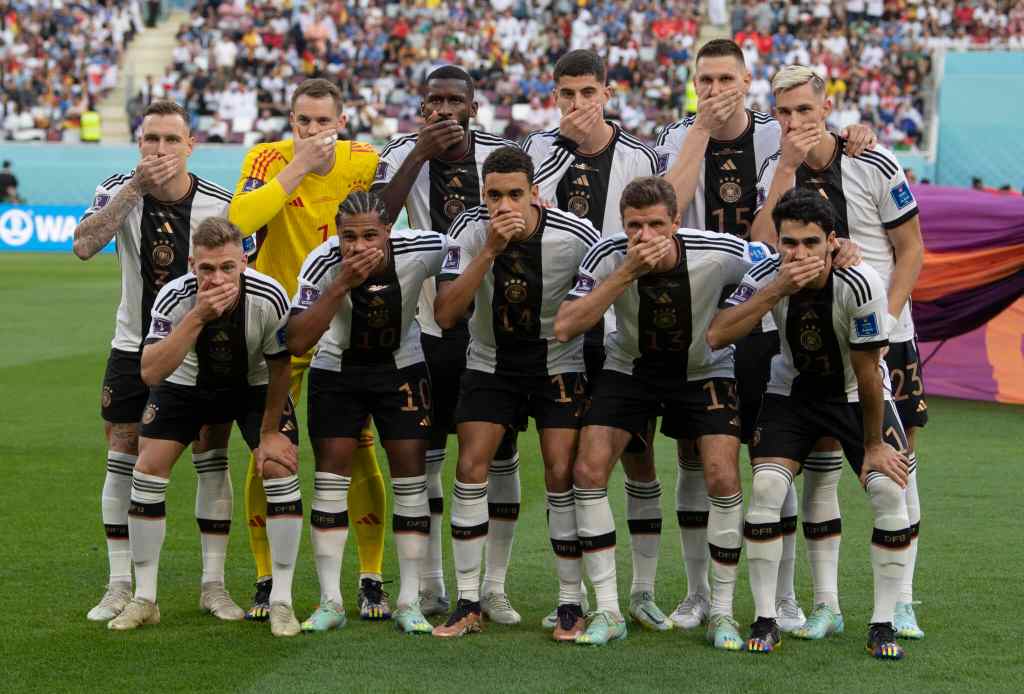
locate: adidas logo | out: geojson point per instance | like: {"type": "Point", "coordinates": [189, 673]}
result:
{"type": "Point", "coordinates": [728, 165]}
{"type": "Point", "coordinates": [297, 202]}
{"type": "Point", "coordinates": [369, 519]}
{"type": "Point", "coordinates": [257, 522]}
{"type": "Point", "coordinates": [425, 422]}
{"type": "Point", "coordinates": [922, 406]}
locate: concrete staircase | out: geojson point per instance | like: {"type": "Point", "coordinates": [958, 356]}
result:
{"type": "Point", "coordinates": [148, 54]}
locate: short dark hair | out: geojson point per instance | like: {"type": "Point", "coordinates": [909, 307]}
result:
{"type": "Point", "coordinates": [364, 202]}
{"type": "Point", "coordinates": [721, 48]}
{"type": "Point", "coordinates": [165, 107]}
{"type": "Point", "coordinates": [580, 63]}
{"type": "Point", "coordinates": [319, 88]}
{"type": "Point", "coordinates": [214, 232]}
{"type": "Point", "coordinates": [452, 72]}
{"type": "Point", "coordinates": [508, 159]}
{"type": "Point", "coordinates": [648, 191]}
{"type": "Point", "coordinates": [806, 206]}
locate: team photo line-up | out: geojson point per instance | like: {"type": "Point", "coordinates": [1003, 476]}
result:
{"type": "Point", "coordinates": [746, 280]}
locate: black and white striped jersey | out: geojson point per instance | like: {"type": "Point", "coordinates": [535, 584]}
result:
{"type": "Point", "coordinates": [230, 351]}
{"type": "Point", "coordinates": [731, 181]}
{"type": "Point", "coordinates": [819, 327]}
{"type": "Point", "coordinates": [590, 186]}
{"type": "Point", "coordinates": [153, 246]}
{"type": "Point", "coordinates": [661, 319]}
{"type": "Point", "coordinates": [512, 329]}
{"type": "Point", "coordinates": [375, 325]}
{"type": "Point", "coordinates": [442, 190]}
{"type": "Point", "coordinates": [870, 196]}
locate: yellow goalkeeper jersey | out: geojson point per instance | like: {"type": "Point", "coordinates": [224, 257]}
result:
{"type": "Point", "coordinates": [280, 229]}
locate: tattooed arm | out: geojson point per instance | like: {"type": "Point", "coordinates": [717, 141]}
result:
{"type": "Point", "coordinates": [95, 231]}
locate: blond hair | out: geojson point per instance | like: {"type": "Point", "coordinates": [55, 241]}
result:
{"type": "Point", "coordinates": [793, 76]}
{"type": "Point", "coordinates": [215, 232]}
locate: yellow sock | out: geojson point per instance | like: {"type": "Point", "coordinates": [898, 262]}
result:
{"type": "Point", "coordinates": [256, 498]}
{"type": "Point", "coordinates": [368, 506]}
{"type": "Point", "coordinates": [256, 516]}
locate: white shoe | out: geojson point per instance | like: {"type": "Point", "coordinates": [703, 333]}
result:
{"type": "Point", "coordinates": [136, 613]}
{"type": "Point", "coordinates": [498, 609]}
{"type": "Point", "coordinates": [283, 621]}
{"type": "Point", "coordinates": [789, 616]}
{"type": "Point", "coordinates": [113, 602]}
{"type": "Point", "coordinates": [691, 612]}
{"type": "Point", "coordinates": [215, 600]}
{"type": "Point", "coordinates": [432, 603]}
{"type": "Point", "coordinates": [550, 620]}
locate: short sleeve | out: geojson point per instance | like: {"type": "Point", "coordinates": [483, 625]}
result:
{"type": "Point", "coordinates": [275, 333]}
{"type": "Point", "coordinates": [596, 266]}
{"type": "Point", "coordinates": [439, 259]}
{"type": "Point", "coordinates": [896, 203]}
{"type": "Point", "coordinates": [313, 279]}
{"type": "Point", "coordinates": [161, 323]}
{"type": "Point", "coordinates": [765, 175]}
{"type": "Point", "coordinates": [756, 278]}
{"type": "Point", "coordinates": [867, 318]}
{"type": "Point", "coordinates": [464, 243]}
{"type": "Point", "coordinates": [390, 160]}
{"type": "Point", "coordinates": [100, 198]}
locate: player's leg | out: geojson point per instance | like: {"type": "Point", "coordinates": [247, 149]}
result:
{"type": "Point", "coordinates": [368, 506]}
{"type": "Point", "coordinates": [558, 448]}
{"type": "Point", "coordinates": [692, 515]}
{"type": "Point", "coordinates": [147, 527]}
{"type": "Point", "coordinates": [908, 394]}
{"type": "Point", "coordinates": [478, 442]}
{"type": "Point", "coordinates": [600, 446]}
{"type": "Point", "coordinates": [214, 505]}
{"type": "Point", "coordinates": [789, 614]}
{"type": "Point", "coordinates": [503, 496]}
{"type": "Point", "coordinates": [122, 401]}
{"type": "Point", "coordinates": [256, 512]}
{"type": "Point", "coordinates": [823, 532]}
{"type": "Point", "coordinates": [643, 514]}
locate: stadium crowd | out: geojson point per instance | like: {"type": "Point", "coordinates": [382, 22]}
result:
{"type": "Point", "coordinates": [237, 63]}
{"type": "Point", "coordinates": [57, 59]}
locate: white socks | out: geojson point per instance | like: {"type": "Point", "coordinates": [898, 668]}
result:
{"type": "Point", "coordinates": [763, 533]}
{"type": "Point", "coordinates": [284, 528]}
{"type": "Point", "coordinates": [469, 533]}
{"type": "Point", "coordinates": [914, 516]}
{"type": "Point", "coordinates": [503, 496]}
{"type": "Point", "coordinates": [328, 531]}
{"type": "Point", "coordinates": [410, 522]}
{"type": "Point", "coordinates": [692, 514]}
{"type": "Point", "coordinates": [890, 543]}
{"type": "Point", "coordinates": [432, 568]}
{"type": "Point", "coordinates": [147, 526]}
{"type": "Point", "coordinates": [643, 513]}
{"type": "Point", "coordinates": [823, 525]}
{"type": "Point", "coordinates": [787, 564]}
{"type": "Point", "coordinates": [566, 546]}
{"type": "Point", "coordinates": [725, 523]}
{"type": "Point", "coordinates": [213, 510]}
{"type": "Point", "coordinates": [596, 528]}
{"type": "Point", "coordinates": [114, 500]}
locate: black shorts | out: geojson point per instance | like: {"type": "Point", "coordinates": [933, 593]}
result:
{"type": "Point", "coordinates": [688, 410]}
{"type": "Point", "coordinates": [593, 360]}
{"type": "Point", "coordinates": [177, 413]}
{"type": "Point", "coordinates": [753, 367]}
{"type": "Point", "coordinates": [397, 399]}
{"type": "Point", "coordinates": [124, 394]}
{"type": "Point", "coordinates": [446, 360]}
{"type": "Point", "coordinates": [907, 385]}
{"type": "Point", "coordinates": [554, 402]}
{"type": "Point", "coordinates": [790, 427]}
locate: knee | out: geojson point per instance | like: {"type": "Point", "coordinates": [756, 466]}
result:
{"type": "Point", "coordinates": [721, 479]}
{"type": "Point", "coordinates": [885, 494]}
{"type": "Point", "coordinates": [123, 438]}
{"type": "Point", "coordinates": [472, 469]}
{"type": "Point", "coordinates": [639, 467]}
{"type": "Point", "coordinates": [589, 473]}
{"type": "Point", "coordinates": [769, 487]}
{"type": "Point", "coordinates": [273, 471]}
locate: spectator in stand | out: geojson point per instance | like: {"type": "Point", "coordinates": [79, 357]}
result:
{"type": "Point", "coordinates": [9, 185]}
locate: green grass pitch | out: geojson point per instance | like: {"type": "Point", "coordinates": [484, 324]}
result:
{"type": "Point", "coordinates": [57, 321]}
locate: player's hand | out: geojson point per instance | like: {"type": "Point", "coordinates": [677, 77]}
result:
{"type": "Point", "coordinates": [504, 228]}
{"type": "Point", "coordinates": [579, 123]}
{"type": "Point", "coordinates": [859, 139]}
{"type": "Point", "coordinates": [212, 301]}
{"type": "Point", "coordinates": [356, 267]}
{"type": "Point", "coordinates": [437, 136]}
{"type": "Point", "coordinates": [715, 111]}
{"type": "Point", "coordinates": [847, 254]}
{"type": "Point", "coordinates": [797, 142]}
{"type": "Point", "coordinates": [544, 202]}
{"type": "Point", "coordinates": [794, 275]}
{"type": "Point", "coordinates": [276, 447]}
{"type": "Point", "coordinates": [642, 257]}
{"type": "Point", "coordinates": [154, 170]}
{"type": "Point", "coordinates": [315, 151]}
{"type": "Point", "coordinates": [883, 458]}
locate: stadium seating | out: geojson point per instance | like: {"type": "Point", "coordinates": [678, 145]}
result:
{"type": "Point", "coordinates": [58, 60]}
